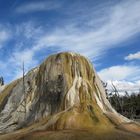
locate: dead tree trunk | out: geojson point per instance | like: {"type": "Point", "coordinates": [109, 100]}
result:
{"type": "Point", "coordinates": [23, 103]}
{"type": "Point", "coordinates": [23, 78]}
{"type": "Point", "coordinates": [118, 98]}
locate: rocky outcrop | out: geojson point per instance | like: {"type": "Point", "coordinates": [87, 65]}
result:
{"type": "Point", "coordinates": [64, 90]}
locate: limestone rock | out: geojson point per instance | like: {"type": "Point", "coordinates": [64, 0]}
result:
{"type": "Point", "coordinates": [66, 92]}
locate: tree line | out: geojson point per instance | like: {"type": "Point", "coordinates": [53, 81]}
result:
{"type": "Point", "coordinates": [128, 104]}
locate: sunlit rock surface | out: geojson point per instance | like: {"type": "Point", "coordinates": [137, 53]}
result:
{"type": "Point", "coordinates": [2, 88]}
{"type": "Point", "coordinates": [64, 92]}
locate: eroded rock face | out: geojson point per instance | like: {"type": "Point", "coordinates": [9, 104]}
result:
{"type": "Point", "coordinates": [65, 90]}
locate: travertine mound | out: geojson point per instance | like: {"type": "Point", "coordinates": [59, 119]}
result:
{"type": "Point", "coordinates": [64, 92]}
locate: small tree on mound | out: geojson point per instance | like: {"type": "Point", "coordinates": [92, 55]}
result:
{"type": "Point", "coordinates": [1, 81]}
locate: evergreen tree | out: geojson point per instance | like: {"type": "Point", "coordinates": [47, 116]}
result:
{"type": "Point", "coordinates": [1, 81]}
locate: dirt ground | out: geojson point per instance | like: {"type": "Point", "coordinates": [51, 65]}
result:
{"type": "Point", "coordinates": [72, 135]}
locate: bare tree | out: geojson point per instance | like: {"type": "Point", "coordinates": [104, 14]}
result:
{"type": "Point", "coordinates": [120, 103]}
{"type": "Point", "coordinates": [105, 86]}
{"type": "Point", "coordinates": [23, 78]}
{"type": "Point", "coordinates": [23, 103]}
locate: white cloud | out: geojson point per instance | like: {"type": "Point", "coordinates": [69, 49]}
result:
{"type": "Point", "coordinates": [122, 23]}
{"type": "Point", "coordinates": [133, 56]}
{"type": "Point", "coordinates": [125, 78]}
{"type": "Point", "coordinates": [37, 6]}
{"type": "Point", "coordinates": [4, 36]}
{"type": "Point", "coordinates": [120, 72]}
{"type": "Point", "coordinates": [20, 56]}
{"type": "Point", "coordinates": [16, 61]}
{"type": "Point", "coordinates": [24, 34]}
{"type": "Point", "coordinates": [122, 86]}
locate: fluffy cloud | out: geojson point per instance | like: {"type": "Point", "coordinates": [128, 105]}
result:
{"type": "Point", "coordinates": [125, 78]}
{"type": "Point", "coordinates": [122, 86]}
{"type": "Point", "coordinates": [120, 72]}
{"type": "Point", "coordinates": [133, 56]}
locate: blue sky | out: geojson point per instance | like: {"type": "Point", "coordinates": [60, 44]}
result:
{"type": "Point", "coordinates": [107, 32]}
